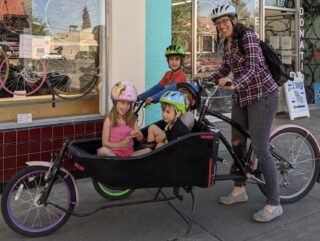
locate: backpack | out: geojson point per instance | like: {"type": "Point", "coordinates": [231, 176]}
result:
{"type": "Point", "coordinates": [278, 70]}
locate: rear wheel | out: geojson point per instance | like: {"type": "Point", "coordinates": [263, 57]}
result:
{"type": "Point", "coordinates": [21, 210]}
{"type": "Point", "coordinates": [297, 156]}
{"type": "Point", "coordinates": [111, 193]}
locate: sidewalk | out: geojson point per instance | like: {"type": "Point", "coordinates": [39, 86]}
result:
{"type": "Point", "coordinates": [213, 221]}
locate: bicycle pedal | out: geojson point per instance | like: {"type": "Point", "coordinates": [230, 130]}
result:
{"type": "Point", "coordinates": [255, 179]}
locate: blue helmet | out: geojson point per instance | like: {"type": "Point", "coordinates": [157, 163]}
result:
{"type": "Point", "coordinates": [175, 98]}
{"type": "Point", "coordinates": [194, 91]}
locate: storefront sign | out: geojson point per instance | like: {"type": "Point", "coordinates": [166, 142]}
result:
{"type": "Point", "coordinates": [296, 96]}
{"type": "Point", "coordinates": [301, 31]}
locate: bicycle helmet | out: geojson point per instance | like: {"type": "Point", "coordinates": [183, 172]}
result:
{"type": "Point", "coordinates": [193, 90]}
{"type": "Point", "coordinates": [223, 10]}
{"type": "Point", "coordinates": [124, 91]}
{"type": "Point", "coordinates": [175, 50]}
{"type": "Point", "coordinates": [176, 99]}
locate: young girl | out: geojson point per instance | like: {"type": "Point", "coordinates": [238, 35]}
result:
{"type": "Point", "coordinates": [120, 126]}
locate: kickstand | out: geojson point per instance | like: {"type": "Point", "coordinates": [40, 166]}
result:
{"type": "Point", "coordinates": [188, 220]}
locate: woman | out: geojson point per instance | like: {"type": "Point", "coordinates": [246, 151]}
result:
{"type": "Point", "coordinates": [254, 105]}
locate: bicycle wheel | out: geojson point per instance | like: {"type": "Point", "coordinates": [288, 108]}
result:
{"type": "Point", "coordinates": [12, 18]}
{"type": "Point", "coordinates": [111, 193]}
{"type": "Point", "coordinates": [70, 81]}
{"type": "Point", "coordinates": [19, 202]}
{"type": "Point", "coordinates": [4, 70]}
{"type": "Point", "coordinates": [298, 166]}
{"type": "Point", "coordinates": [24, 78]}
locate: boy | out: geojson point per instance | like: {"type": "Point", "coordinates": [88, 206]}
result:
{"type": "Point", "coordinates": [171, 127]}
{"type": "Point", "coordinates": [175, 55]}
{"type": "Point", "coordinates": [192, 95]}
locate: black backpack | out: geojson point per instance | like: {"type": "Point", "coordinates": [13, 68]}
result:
{"type": "Point", "coordinates": [278, 70]}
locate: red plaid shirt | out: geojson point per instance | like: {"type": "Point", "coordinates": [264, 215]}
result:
{"type": "Point", "coordinates": [251, 76]}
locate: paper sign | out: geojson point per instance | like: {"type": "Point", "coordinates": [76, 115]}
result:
{"type": "Point", "coordinates": [296, 96]}
{"type": "Point", "coordinates": [24, 118]}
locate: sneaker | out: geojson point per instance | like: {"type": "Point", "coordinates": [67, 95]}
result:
{"type": "Point", "coordinates": [264, 216]}
{"type": "Point", "coordinates": [230, 199]}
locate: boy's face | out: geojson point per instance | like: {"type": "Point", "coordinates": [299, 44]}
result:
{"type": "Point", "coordinates": [168, 113]}
{"type": "Point", "coordinates": [190, 101]}
{"type": "Point", "coordinates": [174, 62]}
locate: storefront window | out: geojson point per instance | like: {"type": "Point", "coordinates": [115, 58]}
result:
{"type": "Point", "coordinates": [181, 29]}
{"type": "Point", "coordinates": [50, 57]}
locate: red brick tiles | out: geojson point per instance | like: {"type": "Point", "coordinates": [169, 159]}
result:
{"type": "Point", "coordinates": [34, 144]}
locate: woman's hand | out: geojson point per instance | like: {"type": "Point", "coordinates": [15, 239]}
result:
{"type": "Point", "coordinates": [226, 84]}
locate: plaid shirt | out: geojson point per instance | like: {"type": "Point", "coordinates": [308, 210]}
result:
{"type": "Point", "coordinates": [251, 76]}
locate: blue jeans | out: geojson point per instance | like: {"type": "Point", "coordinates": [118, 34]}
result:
{"type": "Point", "coordinates": [257, 118]}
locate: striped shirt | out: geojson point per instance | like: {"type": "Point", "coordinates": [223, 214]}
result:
{"type": "Point", "coordinates": [251, 76]}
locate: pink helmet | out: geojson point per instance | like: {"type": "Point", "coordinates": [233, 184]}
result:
{"type": "Point", "coordinates": [124, 91]}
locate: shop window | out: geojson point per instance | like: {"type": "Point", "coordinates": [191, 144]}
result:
{"type": "Point", "coordinates": [50, 57]}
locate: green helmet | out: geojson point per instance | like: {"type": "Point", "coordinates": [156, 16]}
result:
{"type": "Point", "coordinates": [175, 98]}
{"type": "Point", "coordinates": [175, 50]}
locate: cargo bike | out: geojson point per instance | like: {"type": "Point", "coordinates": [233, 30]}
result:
{"type": "Point", "coordinates": [40, 198]}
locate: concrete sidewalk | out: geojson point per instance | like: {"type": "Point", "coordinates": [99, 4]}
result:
{"type": "Point", "coordinates": [213, 221]}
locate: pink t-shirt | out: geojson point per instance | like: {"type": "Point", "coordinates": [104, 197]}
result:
{"type": "Point", "coordinates": [117, 134]}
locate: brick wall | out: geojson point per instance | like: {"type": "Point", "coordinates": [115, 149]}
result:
{"type": "Point", "coordinates": [17, 146]}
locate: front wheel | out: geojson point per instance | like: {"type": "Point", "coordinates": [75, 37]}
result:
{"type": "Point", "coordinates": [297, 156]}
{"type": "Point", "coordinates": [21, 209]}
{"type": "Point", "coordinates": [111, 193]}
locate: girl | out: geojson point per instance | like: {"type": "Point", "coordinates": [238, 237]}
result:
{"type": "Point", "coordinates": [120, 126]}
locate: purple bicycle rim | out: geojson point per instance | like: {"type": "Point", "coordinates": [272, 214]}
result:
{"type": "Point", "coordinates": [30, 229]}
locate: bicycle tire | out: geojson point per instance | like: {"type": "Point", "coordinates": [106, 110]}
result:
{"type": "Point", "coordinates": [67, 82]}
{"type": "Point", "coordinates": [293, 184]}
{"type": "Point", "coordinates": [110, 192]}
{"type": "Point", "coordinates": [28, 183]}
{"type": "Point", "coordinates": [4, 70]}
{"type": "Point", "coordinates": [28, 78]}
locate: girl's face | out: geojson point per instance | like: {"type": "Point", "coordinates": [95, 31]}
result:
{"type": "Point", "coordinates": [174, 62]}
{"type": "Point", "coordinates": [224, 26]}
{"type": "Point", "coordinates": [123, 107]}
{"type": "Point", "coordinates": [168, 113]}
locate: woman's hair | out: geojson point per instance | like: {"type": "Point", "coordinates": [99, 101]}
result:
{"type": "Point", "coordinates": [129, 117]}
{"type": "Point", "coordinates": [238, 30]}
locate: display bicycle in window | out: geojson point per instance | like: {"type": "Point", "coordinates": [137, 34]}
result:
{"type": "Point", "coordinates": [66, 78]}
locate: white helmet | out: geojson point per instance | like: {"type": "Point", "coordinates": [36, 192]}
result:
{"type": "Point", "coordinates": [223, 10]}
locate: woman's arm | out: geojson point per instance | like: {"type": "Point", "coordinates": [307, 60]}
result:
{"type": "Point", "coordinates": [222, 72]}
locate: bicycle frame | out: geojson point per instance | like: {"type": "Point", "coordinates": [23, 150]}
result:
{"type": "Point", "coordinates": [245, 166]}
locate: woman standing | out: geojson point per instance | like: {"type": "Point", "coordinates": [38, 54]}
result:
{"type": "Point", "coordinates": [254, 105]}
